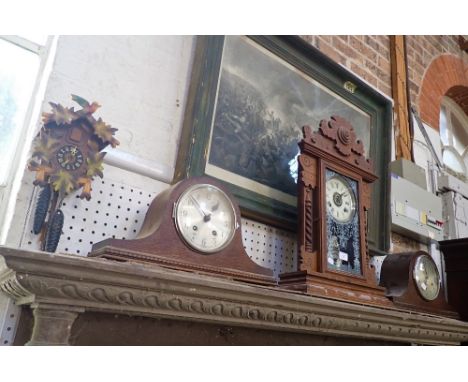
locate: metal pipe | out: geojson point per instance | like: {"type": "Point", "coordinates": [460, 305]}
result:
{"type": "Point", "coordinates": [136, 164]}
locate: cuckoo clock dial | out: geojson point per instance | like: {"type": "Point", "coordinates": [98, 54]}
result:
{"type": "Point", "coordinates": [69, 157]}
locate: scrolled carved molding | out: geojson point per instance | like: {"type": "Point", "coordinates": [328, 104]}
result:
{"type": "Point", "coordinates": [156, 292]}
{"type": "Point", "coordinates": [10, 285]}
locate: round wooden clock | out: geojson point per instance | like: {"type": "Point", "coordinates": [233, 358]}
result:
{"type": "Point", "coordinates": [413, 282]}
{"type": "Point", "coordinates": [194, 226]}
{"type": "Point", "coordinates": [334, 184]}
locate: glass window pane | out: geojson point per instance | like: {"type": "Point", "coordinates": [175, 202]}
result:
{"type": "Point", "coordinates": [452, 160]}
{"type": "Point", "coordinates": [18, 71]}
{"type": "Point", "coordinates": [443, 126]}
{"type": "Point", "coordinates": [460, 134]}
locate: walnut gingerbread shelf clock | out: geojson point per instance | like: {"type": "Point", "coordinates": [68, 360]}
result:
{"type": "Point", "coordinates": [334, 195]}
{"type": "Point", "coordinates": [192, 226]}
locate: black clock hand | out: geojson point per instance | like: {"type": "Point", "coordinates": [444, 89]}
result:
{"type": "Point", "coordinates": [215, 207]}
{"type": "Point", "coordinates": [206, 217]}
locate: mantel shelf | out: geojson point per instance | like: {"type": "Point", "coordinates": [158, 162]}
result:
{"type": "Point", "coordinates": [78, 284]}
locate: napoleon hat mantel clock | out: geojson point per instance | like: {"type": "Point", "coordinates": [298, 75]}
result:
{"type": "Point", "coordinates": [413, 282]}
{"type": "Point", "coordinates": [334, 195]}
{"type": "Point", "coordinates": [193, 226]}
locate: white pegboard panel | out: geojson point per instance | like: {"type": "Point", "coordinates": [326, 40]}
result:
{"type": "Point", "coordinates": [9, 314]}
{"type": "Point", "coordinates": [377, 261]}
{"type": "Point", "coordinates": [117, 211]}
{"type": "Point", "coordinates": [270, 247]}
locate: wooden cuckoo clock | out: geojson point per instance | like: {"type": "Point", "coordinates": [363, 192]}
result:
{"type": "Point", "coordinates": [66, 156]}
{"type": "Point", "coordinates": [413, 282]}
{"type": "Point", "coordinates": [334, 196]}
{"type": "Point", "coordinates": [192, 226]}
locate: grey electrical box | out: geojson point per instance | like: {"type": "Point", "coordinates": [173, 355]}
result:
{"type": "Point", "coordinates": [447, 182]}
{"type": "Point", "coordinates": [456, 215]}
{"type": "Point", "coordinates": [409, 171]}
{"type": "Point", "coordinates": [416, 212]}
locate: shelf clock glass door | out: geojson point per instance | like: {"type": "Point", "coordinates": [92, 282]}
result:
{"type": "Point", "coordinates": [342, 232]}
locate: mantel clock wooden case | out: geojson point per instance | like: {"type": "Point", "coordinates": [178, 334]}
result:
{"type": "Point", "coordinates": [413, 282]}
{"type": "Point", "coordinates": [192, 226]}
{"type": "Point", "coordinates": [334, 183]}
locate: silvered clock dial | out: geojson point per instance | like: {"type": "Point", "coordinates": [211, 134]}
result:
{"type": "Point", "coordinates": [205, 218]}
{"type": "Point", "coordinates": [343, 239]}
{"type": "Point", "coordinates": [341, 201]}
{"type": "Point", "coordinates": [426, 277]}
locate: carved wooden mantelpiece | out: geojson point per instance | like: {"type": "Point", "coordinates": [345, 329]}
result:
{"type": "Point", "coordinates": [61, 286]}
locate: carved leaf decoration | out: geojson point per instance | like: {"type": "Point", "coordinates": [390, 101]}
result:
{"type": "Point", "coordinates": [93, 146]}
{"type": "Point", "coordinates": [42, 172]}
{"type": "Point", "coordinates": [80, 101]}
{"type": "Point", "coordinates": [95, 166]}
{"type": "Point", "coordinates": [63, 182]}
{"type": "Point", "coordinates": [87, 108]}
{"type": "Point", "coordinates": [44, 147]}
{"type": "Point", "coordinates": [86, 184]}
{"type": "Point", "coordinates": [105, 132]}
{"type": "Point", "coordinates": [60, 115]}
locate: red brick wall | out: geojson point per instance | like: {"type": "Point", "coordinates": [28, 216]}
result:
{"type": "Point", "coordinates": [421, 50]}
{"type": "Point", "coordinates": [369, 58]}
{"type": "Point", "coordinates": [444, 73]}
{"type": "Point", "coordinates": [366, 56]}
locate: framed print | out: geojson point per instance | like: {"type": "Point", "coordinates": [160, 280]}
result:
{"type": "Point", "coordinates": [248, 100]}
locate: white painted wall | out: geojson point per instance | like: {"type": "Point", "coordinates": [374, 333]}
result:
{"type": "Point", "coordinates": [141, 83]}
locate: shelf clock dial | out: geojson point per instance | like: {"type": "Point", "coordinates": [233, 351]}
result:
{"type": "Point", "coordinates": [69, 157]}
{"type": "Point", "coordinates": [426, 277]}
{"type": "Point", "coordinates": [205, 218]}
{"type": "Point", "coordinates": [340, 199]}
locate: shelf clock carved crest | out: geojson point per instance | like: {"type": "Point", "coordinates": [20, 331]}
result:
{"type": "Point", "coordinates": [334, 183]}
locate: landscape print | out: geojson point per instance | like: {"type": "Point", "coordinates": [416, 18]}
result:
{"type": "Point", "coordinates": [262, 104]}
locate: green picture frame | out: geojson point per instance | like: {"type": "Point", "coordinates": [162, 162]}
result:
{"type": "Point", "coordinates": [196, 136]}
